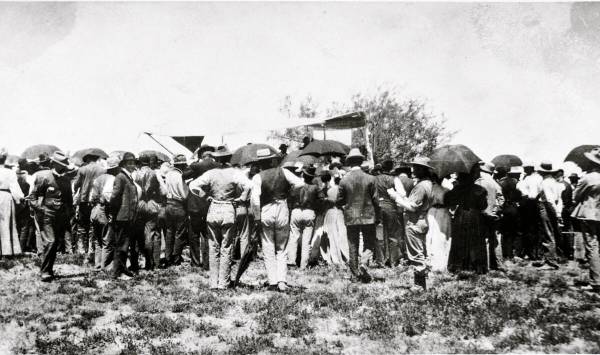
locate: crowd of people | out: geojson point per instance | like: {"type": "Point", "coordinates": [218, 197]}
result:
{"type": "Point", "coordinates": [125, 209]}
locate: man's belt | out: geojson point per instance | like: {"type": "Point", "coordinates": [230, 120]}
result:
{"type": "Point", "coordinates": [222, 202]}
{"type": "Point", "coordinates": [5, 190]}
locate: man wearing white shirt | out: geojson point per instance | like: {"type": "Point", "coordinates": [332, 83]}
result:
{"type": "Point", "coordinates": [268, 201]}
{"type": "Point", "coordinates": [530, 187]}
{"type": "Point", "coordinates": [547, 205]}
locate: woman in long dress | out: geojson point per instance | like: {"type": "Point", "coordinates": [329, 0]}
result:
{"type": "Point", "coordinates": [334, 248]}
{"type": "Point", "coordinates": [10, 193]}
{"type": "Point", "coordinates": [439, 236]}
{"type": "Point", "coordinates": [468, 248]}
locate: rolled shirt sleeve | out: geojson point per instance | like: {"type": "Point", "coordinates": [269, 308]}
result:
{"type": "Point", "coordinates": [292, 179]}
{"type": "Point", "coordinates": [255, 196]}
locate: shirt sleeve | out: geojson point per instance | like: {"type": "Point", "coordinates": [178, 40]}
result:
{"type": "Point", "coordinates": [399, 187]}
{"type": "Point", "coordinates": [202, 182]}
{"type": "Point", "coordinates": [293, 179]}
{"type": "Point", "coordinates": [255, 196]}
{"type": "Point", "coordinates": [414, 201]}
{"type": "Point", "coordinates": [245, 184]}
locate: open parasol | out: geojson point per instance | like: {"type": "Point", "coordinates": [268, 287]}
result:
{"type": "Point", "coordinates": [33, 152]}
{"type": "Point", "coordinates": [160, 155]}
{"type": "Point", "coordinates": [251, 153]}
{"type": "Point", "coordinates": [577, 156]}
{"type": "Point", "coordinates": [507, 161]}
{"type": "Point", "coordinates": [325, 147]}
{"type": "Point", "coordinates": [77, 157]}
{"type": "Point", "coordinates": [450, 159]}
{"type": "Point", "coordinates": [295, 157]}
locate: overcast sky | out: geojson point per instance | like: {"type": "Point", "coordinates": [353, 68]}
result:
{"type": "Point", "coordinates": [511, 78]}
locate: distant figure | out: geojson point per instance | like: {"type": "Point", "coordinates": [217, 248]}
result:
{"type": "Point", "coordinates": [283, 150]}
{"type": "Point", "coordinates": [360, 201]}
{"type": "Point", "coordinates": [334, 227]}
{"type": "Point", "coordinates": [491, 213]}
{"type": "Point", "coordinates": [509, 221]}
{"type": "Point", "coordinates": [306, 141]}
{"type": "Point", "coordinates": [530, 187]}
{"type": "Point", "coordinates": [547, 208]}
{"type": "Point", "coordinates": [468, 249]}
{"type": "Point", "coordinates": [439, 235]}
{"type": "Point", "coordinates": [587, 197]}
{"type": "Point", "coordinates": [176, 216]}
{"type": "Point", "coordinates": [393, 232]}
{"type": "Point", "coordinates": [10, 193]}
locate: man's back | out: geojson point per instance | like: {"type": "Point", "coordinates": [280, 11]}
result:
{"type": "Point", "coordinates": [359, 198]}
{"type": "Point", "coordinates": [85, 179]}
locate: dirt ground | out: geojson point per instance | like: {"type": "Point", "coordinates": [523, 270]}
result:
{"type": "Point", "coordinates": [172, 311]}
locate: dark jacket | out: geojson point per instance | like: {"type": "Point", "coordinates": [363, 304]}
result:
{"type": "Point", "coordinates": [359, 198]}
{"type": "Point", "coordinates": [85, 179]}
{"type": "Point", "coordinates": [383, 182]}
{"type": "Point", "coordinates": [146, 178]}
{"type": "Point", "coordinates": [124, 199]}
{"type": "Point", "coordinates": [55, 190]}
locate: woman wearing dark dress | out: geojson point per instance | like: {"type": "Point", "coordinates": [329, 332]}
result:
{"type": "Point", "coordinates": [468, 250]}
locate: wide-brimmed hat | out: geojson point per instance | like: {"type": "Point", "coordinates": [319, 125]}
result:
{"type": "Point", "coordinates": [309, 171]}
{"type": "Point", "coordinates": [179, 159]}
{"type": "Point", "coordinates": [422, 161]}
{"type": "Point", "coordinates": [593, 155]}
{"type": "Point", "coordinates": [221, 151]}
{"type": "Point", "coordinates": [487, 167]}
{"type": "Point", "coordinates": [112, 162]}
{"type": "Point", "coordinates": [546, 167]}
{"type": "Point", "coordinates": [354, 155]}
{"type": "Point", "coordinates": [294, 167]}
{"type": "Point", "coordinates": [516, 170]}
{"type": "Point", "coordinates": [127, 156]}
{"type": "Point", "coordinates": [60, 158]}
{"type": "Point", "coordinates": [43, 158]}
{"type": "Point", "coordinates": [529, 164]}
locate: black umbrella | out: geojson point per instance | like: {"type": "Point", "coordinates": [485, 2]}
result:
{"type": "Point", "coordinates": [251, 153]}
{"type": "Point", "coordinates": [34, 151]}
{"type": "Point", "coordinates": [250, 251]}
{"type": "Point", "coordinates": [450, 159]}
{"type": "Point", "coordinates": [507, 161]}
{"type": "Point", "coordinates": [577, 156]}
{"type": "Point", "coordinates": [295, 157]}
{"type": "Point", "coordinates": [325, 147]}
{"type": "Point", "coordinates": [77, 157]}
{"type": "Point", "coordinates": [160, 155]}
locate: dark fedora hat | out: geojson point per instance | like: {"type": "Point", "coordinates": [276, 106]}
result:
{"type": "Point", "coordinates": [309, 171]}
{"type": "Point", "coordinates": [60, 158]}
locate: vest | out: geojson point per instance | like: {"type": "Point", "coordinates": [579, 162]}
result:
{"type": "Point", "coordinates": [274, 186]}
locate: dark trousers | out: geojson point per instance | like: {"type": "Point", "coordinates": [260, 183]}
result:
{"type": "Point", "coordinates": [548, 230]}
{"type": "Point", "coordinates": [495, 257]}
{"type": "Point", "coordinates": [567, 233]}
{"type": "Point", "coordinates": [26, 229]}
{"type": "Point", "coordinates": [152, 241]}
{"type": "Point", "coordinates": [53, 227]}
{"type": "Point", "coordinates": [82, 234]}
{"type": "Point", "coordinates": [198, 240]}
{"type": "Point", "coordinates": [98, 232]}
{"type": "Point", "coordinates": [369, 241]}
{"type": "Point", "coordinates": [509, 229]}
{"type": "Point", "coordinates": [124, 235]}
{"type": "Point", "coordinates": [393, 234]}
{"type": "Point", "coordinates": [176, 225]}
{"type": "Point", "coordinates": [530, 226]}
{"type": "Point", "coordinates": [591, 235]}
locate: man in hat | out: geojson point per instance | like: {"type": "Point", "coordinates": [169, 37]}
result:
{"type": "Point", "coordinates": [530, 187]}
{"type": "Point", "coordinates": [402, 173]}
{"type": "Point", "coordinates": [393, 234]}
{"type": "Point", "coordinates": [153, 200]}
{"type": "Point", "coordinates": [566, 209]}
{"type": "Point", "coordinates": [416, 206]}
{"type": "Point", "coordinates": [302, 221]}
{"type": "Point", "coordinates": [510, 211]}
{"type": "Point", "coordinates": [176, 214]}
{"type": "Point", "coordinates": [52, 199]}
{"type": "Point", "coordinates": [100, 195]}
{"type": "Point", "coordinates": [82, 187]}
{"type": "Point", "coordinates": [123, 213]}
{"type": "Point", "coordinates": [224, 187]}
{"type": "Point", "coordinates": [25, 223]}
{"type": "Point", "coordinates": [359, 199]}
{"type": "Point", "coordinates": [491, 214]}
{"type": "Point", "coordinates": [547, 209]}
{"type": "Point", "coordinates": [268, 204]}
{"type": "Point", "coordinates": [587, 212]}
{"type": "Point", "coordinates": [197, 208]}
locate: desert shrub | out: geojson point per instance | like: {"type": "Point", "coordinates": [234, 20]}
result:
{"type": "Point", "coordinates": [88, 282]}
{"type": "Point", "coordinates": [205, 329]}
{"type": "Point", "coordinates": [103, 298]}
{"type": "Point", "coordinates": [166, 348]}
{"type": "Point", "coordinates": [210, 304]}
{"type": "Point", "coordinates": [249, 344]}
{"type": "Point", "coordinates": [556, 334]}
{"type": "Point", "coordinates": [130, 348]}
{"type": "Point", "coordinates": [98, 338]}
{"type": "Point", "coordinates": [149, 305]}
{"type": "Point", "coordinates": [181, 307]}
{"type": "Point", "coordinates": [158, 326]}
{"type": "Point", "coordinates": [59, 346]}
{"type": "Point", "coordinates": [284, 315]}
{"type": "Point", "coordinates": [86, 318]}
{"type": "Point", "coordinates": [66, 289]}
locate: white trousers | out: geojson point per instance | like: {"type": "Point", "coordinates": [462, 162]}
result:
{"type": "Point", "coordinates": [275, 226]}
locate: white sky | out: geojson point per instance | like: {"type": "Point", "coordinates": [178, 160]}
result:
{"type": "Point", "coordinates": [512, 78]}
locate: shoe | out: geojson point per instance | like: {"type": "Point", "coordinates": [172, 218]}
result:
{"type": "Point", "coordinates": [364, 276]}
{"type": "Point", "coordinates": [537, 264]}
{"type": "Point", "coordinates": [128, 273]}
{"type": "Point", "coordinates": [421, 280]}
{"type": "Point", "coordinates": [552, 264]}
{"type": "Point", "coordinates": [46, 277]}
{"type": "Point", "coordinates": [282, 287]}
{"type": "Point", "coordinates": [124, 277]}
{"type": "Point", "coordinates": [272, 288]}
